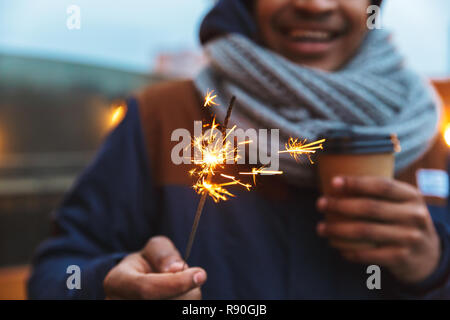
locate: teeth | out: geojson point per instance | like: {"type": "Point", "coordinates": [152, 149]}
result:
{"type": "Point", "coordinates": [312, 34]}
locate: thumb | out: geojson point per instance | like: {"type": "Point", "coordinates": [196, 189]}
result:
{"type": "Point", "coordinates": [162, 255]}
{"type": "Point", "coordinates": [170, 285]}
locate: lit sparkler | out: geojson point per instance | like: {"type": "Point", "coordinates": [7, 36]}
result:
{"type": "Point", "coordinates": [295, 148]}
{"type": "Point", "coordinates": [215, 151]}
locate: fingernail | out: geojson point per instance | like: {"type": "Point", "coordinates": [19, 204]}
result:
{"type": "Point", "coordinates": [338, 182]}
{"type": "Point", "coordinates": [321, 228]}
{"type": "Point", "coordinates": [199, 278]}
{"type": "Point", "coordinates": [322, 203]}
{"type": "Point", "coordinates": [176, 266]}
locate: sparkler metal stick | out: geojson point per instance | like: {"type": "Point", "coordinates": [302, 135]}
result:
{"type": "Point", "coordinates": [198, 214]}
{"type": "Point", "coordinates": [201, 204]}
{"type": "Point", "coordinates": [227, 117]}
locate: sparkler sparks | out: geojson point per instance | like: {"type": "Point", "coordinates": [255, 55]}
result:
{"type": "Point", "coordinates": [296, 148]}
{"type": "Point", "coordinates": [209, 99]}
{"type": "Point", "coordinates": [260, 171]}
{"type": "Point", "coordinates": [215, 152]}
{"type": "Point", "coordinates": [217, 191]}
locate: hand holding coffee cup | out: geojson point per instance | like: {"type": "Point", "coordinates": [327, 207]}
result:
{"type": "Point", "coordinates": [348, 154]}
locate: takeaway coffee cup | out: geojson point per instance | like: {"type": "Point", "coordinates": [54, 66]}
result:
{"type": "Point", "coordinates": [350, 154]}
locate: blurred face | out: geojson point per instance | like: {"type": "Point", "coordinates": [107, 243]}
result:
{"type": "Point", "coordinates": [321, 34]}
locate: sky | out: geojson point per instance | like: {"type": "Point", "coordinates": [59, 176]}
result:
{"type": "Point", "coordinates": [422, 32]}
{"type": "Point", "coordinates": [125, 34]}
{"type": "Point", "coordinates": [130, 34]}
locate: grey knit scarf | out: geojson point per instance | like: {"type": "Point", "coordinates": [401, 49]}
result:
{"type": "Point", "coordinates": [374, 93]}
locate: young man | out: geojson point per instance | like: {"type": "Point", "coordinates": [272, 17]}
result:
{"type": "Point", "coordinates": [303, 67]}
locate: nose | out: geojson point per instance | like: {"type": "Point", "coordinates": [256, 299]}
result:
{"type": "Point", "coordinates": [315, 7]}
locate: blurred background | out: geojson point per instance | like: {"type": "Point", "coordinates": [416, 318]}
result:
{"type": "Point", "coordinates": [62, 91]}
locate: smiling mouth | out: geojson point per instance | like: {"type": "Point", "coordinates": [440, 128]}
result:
{"type": "Point", "coordinates": [318, 36]}
{"type": "Point", "coordinates": [309, 42]}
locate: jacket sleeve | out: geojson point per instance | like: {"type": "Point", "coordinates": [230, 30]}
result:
{"type": "Point", "coordinates": [106, 215]}
{"type": "Point", "coordinates": [437, 285]}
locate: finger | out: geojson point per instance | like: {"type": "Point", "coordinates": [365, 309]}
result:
{"type": "Point", "coordinates": [411, 214]}
{"type": "Point", "coordinates": [372, 232]}
{"type": "Point", "coordinates": [122, 281]}
{"type": "Point", "coordinates": [384, 256]}
{"type": "Point", "coordinates": [161, 253]}
{"type": "Point", "coordinates": [194, 294]}
{"type": "Point", "coordinates": [170, 285]}
{"type": "Point", "coordinates": [375, 187]}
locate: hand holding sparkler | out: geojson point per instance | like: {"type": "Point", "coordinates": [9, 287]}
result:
{"type": "Point", "coordinates": [157, 265]}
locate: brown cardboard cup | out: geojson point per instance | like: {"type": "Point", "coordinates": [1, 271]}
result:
{"type": "Point", "coordinates": [346, 154]}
